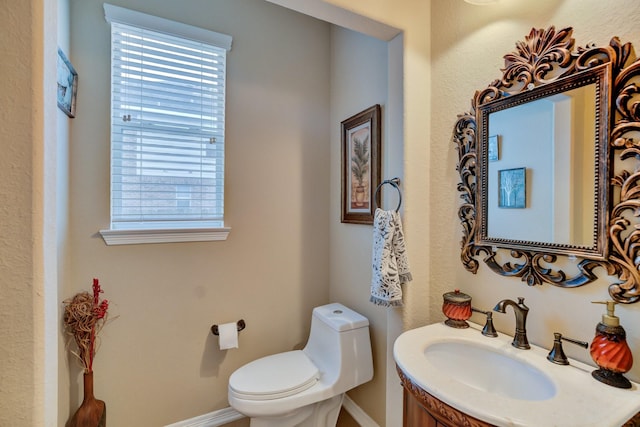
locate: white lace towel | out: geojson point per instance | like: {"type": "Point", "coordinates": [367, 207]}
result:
{"type": "Point", "coordinates": [389, 259]}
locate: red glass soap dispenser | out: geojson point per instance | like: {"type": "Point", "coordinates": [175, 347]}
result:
{"type": "Point", "coordinates": [610, 351]}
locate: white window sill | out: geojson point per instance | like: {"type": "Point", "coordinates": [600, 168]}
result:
{"type": "Point", "coordinates": [174, 235]}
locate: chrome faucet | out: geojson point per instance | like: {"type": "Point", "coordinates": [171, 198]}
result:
{"type": "Point", "coordinates": [520, 338]}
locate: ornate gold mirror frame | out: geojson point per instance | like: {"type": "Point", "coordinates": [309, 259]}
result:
{"type": "Point", "coordinates": [547, 58]}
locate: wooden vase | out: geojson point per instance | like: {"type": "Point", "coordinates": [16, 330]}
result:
{"type": "Point", "coordinates": [92, 412]}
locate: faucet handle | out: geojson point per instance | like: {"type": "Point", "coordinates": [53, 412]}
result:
{"type": "Point", "coordinates": [556, 355]}
{"type": "Point", "coordinates": [489, 330]}
{"type": "Point", "coordinates": [521, 304]}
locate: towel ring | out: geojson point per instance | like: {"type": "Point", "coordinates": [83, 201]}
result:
{"type": "Point", "coordinates": [395, 182]}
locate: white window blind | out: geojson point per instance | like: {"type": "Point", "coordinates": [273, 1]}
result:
{"type": "Point", "coordinates": [167, 128]}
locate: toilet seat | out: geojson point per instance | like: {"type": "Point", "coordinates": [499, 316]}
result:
{"type": "Point", "coordinates": [274, 377]}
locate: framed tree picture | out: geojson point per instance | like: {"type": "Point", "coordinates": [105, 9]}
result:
{"type": "Point", "coordinates": [361, 162]}
{"type": "Point", "coordinates": [512, 187]}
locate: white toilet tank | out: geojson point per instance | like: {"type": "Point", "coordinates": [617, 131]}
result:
{"type": "Point", "coordinates": [340, 346]}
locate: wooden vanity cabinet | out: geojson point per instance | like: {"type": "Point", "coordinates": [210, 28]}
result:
{"type": "Point", "coordinates": [423, 410]}
{"type": "Point", "coordinates": [415, 414]}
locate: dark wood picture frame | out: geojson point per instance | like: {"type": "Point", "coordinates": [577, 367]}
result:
{"type": "Point", "coordinates": [361, 164]}
{"type": "Point", "coordinates": [67, 79]}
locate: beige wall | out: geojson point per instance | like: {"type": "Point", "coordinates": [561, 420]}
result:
{"type": "Point", "coordinates": [28, 248]}
{"type": "Point", "coordinates": [18, 394]}
{"type": "Point", "coordinates": [359, 79]}
{"type": "Point", "coordinates": [62, 229]}
{"type": "Point", "coordinates": [158, 362]}
{"type": "Point", "coordinates": [407, 151]}
{"type": "Point", "coordinates": [412, 17]}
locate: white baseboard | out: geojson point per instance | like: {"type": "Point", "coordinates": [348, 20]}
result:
{"type": "Point", "coordinates": [226, 415]}
{"type": "Point", "coordinates": [357, 413]}
{"type": "Point", "coordinates": [212, 419]}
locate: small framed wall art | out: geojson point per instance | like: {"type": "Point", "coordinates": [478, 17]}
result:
{"type": "Point", "coordinates": [494, 148]}
{"type": "Point", "coordinates": [361, 162]}
{"type": "Point", "coordinates": [512, 187]}
{"type": "Point", "coordinates": [67, 85]}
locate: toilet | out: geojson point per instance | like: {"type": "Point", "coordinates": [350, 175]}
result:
{"type": "Point", "coordinates": [305, 388]}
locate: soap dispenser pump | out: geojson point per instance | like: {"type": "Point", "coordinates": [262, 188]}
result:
{"type": "Point", "coordinates": [610, 351]}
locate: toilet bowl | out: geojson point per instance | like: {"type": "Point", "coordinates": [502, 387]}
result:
{"type": "Point", "coordinates": [305, 388]}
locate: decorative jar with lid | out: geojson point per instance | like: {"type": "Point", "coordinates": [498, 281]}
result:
{"type": "Point", "coordinates": [457, 308]}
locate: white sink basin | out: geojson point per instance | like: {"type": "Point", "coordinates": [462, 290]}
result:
{"type": "Point", "coordinates": [491, 380]}
{"type": "Point", "coordinates": [488, 370]}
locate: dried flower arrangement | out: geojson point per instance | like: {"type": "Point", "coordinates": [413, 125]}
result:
{"type": "Point", "coordinates": [84, 317]}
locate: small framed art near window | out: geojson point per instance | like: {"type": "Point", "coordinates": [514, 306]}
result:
{"type": "Point", "coordinates": [67, 85]}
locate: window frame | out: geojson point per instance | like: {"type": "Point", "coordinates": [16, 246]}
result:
{"type": "Point", "coordinates": [146, 234]}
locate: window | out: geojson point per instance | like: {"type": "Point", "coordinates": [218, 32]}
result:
{"type": "Point", "coordinates": [167, 130]}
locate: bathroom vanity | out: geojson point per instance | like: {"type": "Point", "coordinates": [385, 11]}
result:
{"type": "Point", "coordinates": [459, 377]}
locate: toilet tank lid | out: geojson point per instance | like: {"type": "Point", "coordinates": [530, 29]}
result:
{"type": "Point", "coordinates": [339, 317]}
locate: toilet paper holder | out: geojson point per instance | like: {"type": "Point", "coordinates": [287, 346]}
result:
{"type": "Point", "coordinates": [240, 323]}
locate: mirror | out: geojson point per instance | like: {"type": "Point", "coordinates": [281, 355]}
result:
{"type": "Point", "coordinates": [547, 161]}
{"type": "Point", "coordinates": [555, 139]}
{"type": "Point", "coordinates": [539, 150]}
